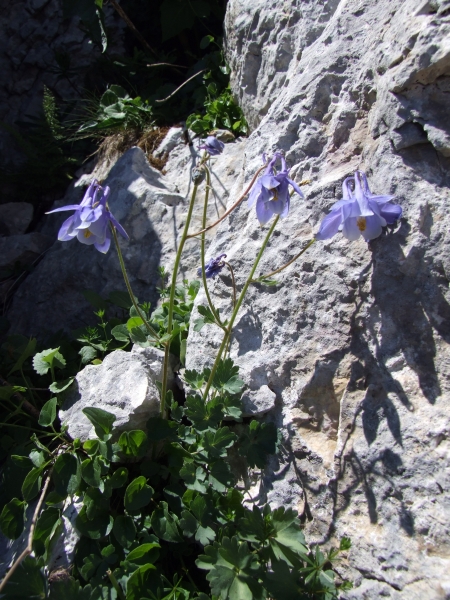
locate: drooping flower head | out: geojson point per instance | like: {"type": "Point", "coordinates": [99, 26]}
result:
{"type": "Point", "coordinates": [212, 145]}
{"type": "Point", "coordinates": [359, 212]}
{"type": "Point", "coordinates": [213, 267]}
{"type": "Point", "coordinates": [271, 191]}
{"type": "Point", "coordinates": [89, 224]}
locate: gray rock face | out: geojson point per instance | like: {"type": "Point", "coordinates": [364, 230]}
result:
{"type": "Point", "coordinates": [152, 210]}
{"type": "Point", "coordinates": [33, 38]}
{"type": "Point", "coordinates": [15, 217]}
{"type": "Point", "coordinates": [22, 249]}
{"type": "Point", "coordinates": [354, 341]}
{"type": "Point", "coordinates": [124, 384]}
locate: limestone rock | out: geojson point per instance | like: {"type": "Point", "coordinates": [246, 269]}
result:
{"type": "Point", "coordinates": [15, 217]}
{"type": "Point", "coordinates": [23, 249]}
{"type": "Point", "coordinates": [172, 139]}
{"type": "Point", "coordinates": [124, 384]}
{"type": "Point", "coordinates": [152, 208]}
{"type": "Point", "coordinates": [354, 340]}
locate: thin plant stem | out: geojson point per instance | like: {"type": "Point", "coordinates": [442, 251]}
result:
{"type": "Point", "coordinates": [308, 245]}
{"type": "Point", "coordinates": [202, 251]}
{"type": "Point", "coordinates": [237, 307]}
{"type": "Point", "coordinates": [130, 291]}
{"type": "Point", "coordinates": [233, 284]}
{"type": "Point", "coordinates": [115, 584]}
{"type": "Point", "coordinates": [28, 550]}
{"type": "Point", "coordinates": [172, 294]}
{"type": "Point", "coordinates": [235, 205]}
{"type": "Point", "coordinates": [25, 427]}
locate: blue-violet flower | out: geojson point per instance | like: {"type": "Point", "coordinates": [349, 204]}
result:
{"type": "Point", "coordinates": [271, 191]}
{"type": "Point", "coordinates": [212, 145]}
{"type": "Point", "coordinates": [359, 212]}
{"type": "Point", "coordinates": [213, 267]}
{"type": "Point", "coordinates": [89, 223]}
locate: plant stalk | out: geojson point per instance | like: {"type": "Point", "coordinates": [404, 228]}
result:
{"type": "Point", "coordinates": [202, 251]}
{"type": "Point", "coordinates": [308, 245]}
{"type": "Point", "coordinates": [236, 309]}
{"type": "Point", "coordinates": [150, 329]}
{"type": "Point", "coordinates": [172, 295]}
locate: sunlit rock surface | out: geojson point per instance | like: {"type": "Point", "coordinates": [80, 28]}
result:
{"type": "Point", "coordinates": [349, 353]}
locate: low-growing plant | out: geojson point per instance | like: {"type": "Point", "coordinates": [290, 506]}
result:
{"type": "Point", "coordinates": [162, 511]}
{"type": "Point", "coordinates": [221, 112]}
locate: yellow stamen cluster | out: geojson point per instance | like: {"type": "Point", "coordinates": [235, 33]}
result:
{"type": "Point", "coordinates": [87, 234]}
{"type": "Point", "coordinates": [361, 222]}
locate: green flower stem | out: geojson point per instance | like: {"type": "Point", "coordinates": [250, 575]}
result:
{"type": "Point", "coordinates": [202, 251]}
{"type": "Point", "coordinates": [115, 584]}
{"type": "Point", "coordinates": [150, 329]}
{"type": "Point", "coordinates": [172, 295]}
{"type": "Point", "coordinates": [236, 309]}
{"type": "Point", "coordinates": [308, 245]}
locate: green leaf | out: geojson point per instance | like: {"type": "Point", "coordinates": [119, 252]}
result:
{"type": "Point", "coordinates": [51, 358]}
{"type": "Point", "coordinates": [183, 346]}
{"type": "Point", "coordinates": [27, 582]}
{"type": "Point", "coordinates": [235, 575]}
{"type": "Point", "coordinates": [345, 544]}
{"type": "Point", "coordinates": [215, 443]}
{"type": "Point", "coordinates": [59, 386]}
{"type": "Point", "coordinates": [91, 447]}
{"type": "Point", "coordinates": [95, 299]}
{"type": "Point", "coordinates": [194, 379]}
{"type": "Point", "coordinates": [193, 476]}
{"type": "Point", "coordinates": [87, 353]}
{"type": "Point", "coordinates": [203, 415]}
{"type": "Point", "coordinates": [165, 524]}
{"type": "Point", "coordinates": [258, 443]}
{"type": "Point", "coordinates": [143, 582]}
{"type": "Point", "coordinates": [22, 462]}
{"type": "Point", "coordinates": [206, 313]}
{"type": "Point", "coordinates": [102, 421]}
{"type": "Point", "coordinates": [120, 333]}
{"type": "Point", "coordinates": [38, 458]}
{"type": "Point", "coordinates": [138, 494]}
{"type": "Point", "coordinates": [121, 299]}
{"type": "Point", "coordinates": [144, 554]}
{"type": "Point", "coordinates": [46, 526]}
{"type": "Point", "coordinates": [133, 443]}
{"type": "Point", "coordinates": [48, 413]}
{"type": "Point", "coordinates": [226, 377]}
{"type": "Point", "coordinates": [281, 582]}
{"type": "Point", "coordinates": [32, 484]}
{"type": "Point", "coordinates": [12, 518]}
{"type": "Point", "coordinates": [205, 41]}
{"type": "Point", "coordinates": [134, 322]}
{"type": "Point", "coordinates": [96, 528]}
{"type": "Point", "coordinates": [160, 429]}
{"type": "Point", "coordinates": [220, 476]}
{"type": "Point", "coordinates": [27, 352]}
{"type": "Point", "coordinates": [66, 474]}
{"type": "Point", "coordinates": [91, 472]}
{"type": "Point", "coordinates": [138, 336]}
{"type": "Point", "coordinates": [124, 530]}
{"type": "Point", "coordinates": [119, 477]}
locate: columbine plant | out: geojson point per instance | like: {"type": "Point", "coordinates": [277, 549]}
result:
{"type": "Point", "coordinates": [182, 503]}
{"type": "Point", "coordinates": [359, 213]}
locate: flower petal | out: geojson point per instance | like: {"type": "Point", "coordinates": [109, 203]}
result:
{"type": "Point", "coordinates": [66, 231]}
{"type": "Point", "coordinates": [118, 226]}
{"type": "Point", "coordinates": [373, 228]}
{"type": "Point", "coordinates": [296, 188]}
{"type": "Point", "coordinates": [103, 247]}
{"type": "Point", "coordinates": [391, 212]}
{"type": "Point", "coordinates": [350, 229]}
{"type": "Point", "coordinates": [63, 208]}
{"type": "Point", "coordinates": [269, 182]}
{"type": "Point", "coordinates": [263, 212]}
{"type": "Point", "coordinates": [330, 225]}
{"type": "Point", "coordinates": [255, 192]}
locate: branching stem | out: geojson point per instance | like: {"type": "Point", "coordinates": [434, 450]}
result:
{"type": "Point", "coordinates": [266, 276]}
{"type": "Point", "coordinates": [236, 309]}
{"type": "Point", "coordinates": [28, 550]}
{"type": "Point", "coordinates": [150, 329]}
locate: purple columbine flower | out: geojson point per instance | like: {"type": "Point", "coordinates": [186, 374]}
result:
{"type": "Point", "coordinates": [213, 267]}
{"type": "Point", "coordinates": [359, 212]}
{"type": "Point", "coordinates": [90, 222]}
{"type": "Point", "coordinates": [271, 191]}
{"type": "Point", "coordinates": [212, 145]}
